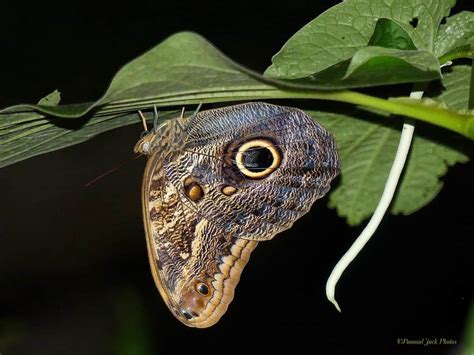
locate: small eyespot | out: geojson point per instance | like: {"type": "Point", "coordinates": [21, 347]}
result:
{"type": "Point", "coordinates": [202, 288]}
{"type": "Point", "coordinates": [228, 190]}
{"type": "Point", "coordinates": [193, 190]}
{"type": "Point", "coordinates": [258, 158]}
{"type": "Point", "coordinates": [195, 193]}
{"type": "Point", "coordinates": [187, 315]}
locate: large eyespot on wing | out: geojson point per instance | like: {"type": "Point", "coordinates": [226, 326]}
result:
{"type": "Point", "coordinates": [257, 158]}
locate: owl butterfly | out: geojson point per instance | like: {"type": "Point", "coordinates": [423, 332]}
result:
{"type": "Point", "coordinates": [217, 183]}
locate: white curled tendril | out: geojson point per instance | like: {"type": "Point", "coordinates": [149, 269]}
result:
{"type": "Point", "coordinates": [385, 200]}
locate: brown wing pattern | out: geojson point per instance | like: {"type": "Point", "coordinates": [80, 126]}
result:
{"type": "Point", "coordinates": [230, 178]}
{"type": "Point", "coordinates": [186, 250]}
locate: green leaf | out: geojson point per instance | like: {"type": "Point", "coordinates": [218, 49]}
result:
{"type": "Point", "coordinates": [429, 160]}
{"type": "Point", "coordinates": [389, 34]}
{"type": "Point", "coordinates": [339, 32]}
{"type": "Point", "coordinates": [367, 151]}
{"type": "Point", "coordinates": [42, 135]}
{"type": "Point", "coordinates": [391, 58]}
{"type": "Point", "coordinates": [458, 31]}
{"type": "Point", "coordinates": [184, 68]}
{"type": "Point", "coordinates": [456, 83]}
{"type": "Point", "coordinates": [372, 66]}
{"type": "Point", "coordinates": [168, 73]}
{"type": "Point", "coordinates": [51, 99]}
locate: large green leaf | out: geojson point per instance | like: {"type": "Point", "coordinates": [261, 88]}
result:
{"type": "Point", "coordinates": [390, 58]}
{"type": "Point", "coordinates": [372, 66]}
{"type": "Point", "coordinates": [184, 68]}
{"type": "Point", "coordinates": [41, 135]}
{"type": "Point", "coordinates": [167, 73]}
{"type": "Point", "coordinates": [367, 151]}
{"type": "Point", "coordinates": [458, 31]}
{"type": "Point", "coordinates": [429, 160]}
{"type": "Point", "coordinates": [339, 32]}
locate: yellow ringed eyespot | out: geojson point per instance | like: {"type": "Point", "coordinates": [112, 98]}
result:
{"type": "Point", "coordinates": [258, 158]}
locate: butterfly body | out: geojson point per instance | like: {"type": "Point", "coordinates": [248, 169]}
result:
{"type": "Point", "coordinates": [216, 184]}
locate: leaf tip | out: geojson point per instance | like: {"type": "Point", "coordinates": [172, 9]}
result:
{"type": "Point", "coordinates": [52, 99]}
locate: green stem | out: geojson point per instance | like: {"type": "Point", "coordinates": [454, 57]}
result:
{"type": "Point", "coordinates": [452, 56]}
{"type": "Point", "coordinates": [465, 51]}
{"type": "Point", "coordinates": [434, 114]}
{"type": "Point", "coordinates": [457, 121]}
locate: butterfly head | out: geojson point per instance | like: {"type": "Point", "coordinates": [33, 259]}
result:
{"type": "Point", "coordinates": [167, 136]}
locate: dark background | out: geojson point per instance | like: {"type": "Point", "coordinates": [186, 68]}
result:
{"type": "Point", "coordinates": [74, 276]}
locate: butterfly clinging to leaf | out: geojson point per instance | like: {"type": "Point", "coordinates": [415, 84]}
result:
{"type": "Point", "coordinates": [218, 182]}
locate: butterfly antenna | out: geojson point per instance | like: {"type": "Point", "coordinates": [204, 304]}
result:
{"type": "Point", "coordinates": [181, 116]}
{"type": "Point", "coordinates": [194, 114]}
{"type": "Point", "coordinates": [121, 165]}
{"type": "Point", "coordinates": [197, 109]}
{"type": "Point", "coordinates": [145, 127]}
{"type": "Point", "coordinates": [155, 121]}
{"type": "Point", "coordinates": [143, 120]}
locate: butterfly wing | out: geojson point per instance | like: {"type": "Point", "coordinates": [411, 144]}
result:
{"type": "Point", "coordinates": [195, 263]}
{"type": "Point", "coordinates": [260, 206]}
{"type": "Point", "coordinates": [234, 176]}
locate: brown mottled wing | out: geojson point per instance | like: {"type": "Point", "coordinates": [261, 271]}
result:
{"type": "Point", "coordinates": [153, 186]}
{"type": "Point", "coordinates": [207, 239]}
{"type": "Point", "coordinates": [184, 247]}
{"type": "Point", "coordinates": [261, 208]}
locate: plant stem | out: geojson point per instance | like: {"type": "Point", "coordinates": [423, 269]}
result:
{"type": "Point", "coordinates": [454, 120]}
{"type": "Point", "coordinates": [462, 123]}
{"type": "Point", "coordinates": [465, 51]}
{"type": "Point", "coordinates": [411, 107]}
{"type": "Point", "coordinates": [379, 213]}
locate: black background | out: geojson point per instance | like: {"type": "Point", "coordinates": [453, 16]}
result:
{"type": "Point", "coordinates": [73, 268]}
